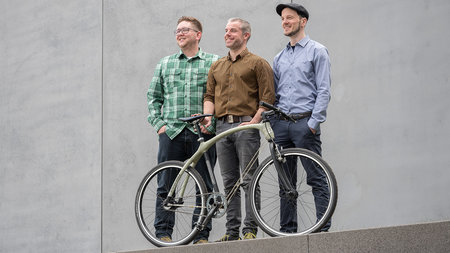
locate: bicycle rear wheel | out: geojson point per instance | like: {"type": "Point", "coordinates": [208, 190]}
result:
{"type": "Point", "coordinates": [177, 216]}
{"type": "Point", "coordinates": [307, 208]}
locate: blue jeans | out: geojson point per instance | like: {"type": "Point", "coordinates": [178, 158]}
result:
{"type": "Point", "coordinates": [235, 152]}
{"type": "Point", "coordinates": [299, 135]}
{"type": "Point", "coordinates": [182, 147]}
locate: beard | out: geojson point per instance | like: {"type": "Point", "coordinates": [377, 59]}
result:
{"type": "Point", "coordinates": [236, 44]}
{"type": "Point", "coordinates": [293, 32]}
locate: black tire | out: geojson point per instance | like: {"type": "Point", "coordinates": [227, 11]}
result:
{"type": "Point", "coordinates": [267, 215]}
{"type": "Point", "coordinates": [146, 203]}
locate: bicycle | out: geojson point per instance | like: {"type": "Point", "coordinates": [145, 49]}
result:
{"type": "Point", "coordinates": [193, 207]}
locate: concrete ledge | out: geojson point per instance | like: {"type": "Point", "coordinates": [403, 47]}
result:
{"type": "Point", "coordinates": [429, 237]}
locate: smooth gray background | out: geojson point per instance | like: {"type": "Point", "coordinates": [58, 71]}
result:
{"type": "Point", "coordinates": [75, 142]}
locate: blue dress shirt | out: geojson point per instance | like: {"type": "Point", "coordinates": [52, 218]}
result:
{"type": "Point", "coordinates": [302, 80]}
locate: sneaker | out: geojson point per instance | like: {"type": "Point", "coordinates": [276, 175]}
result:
{"type": "Point", "coordinates": [165, 239]}
{"type": "Point", "coordinates": [321, 231]}
{"type": "Point", "coordinates": [249, 235]}
{"type": "Point", "coordinates": [201, 241]}
{"type": "Point", "coordinates": [226, 238]}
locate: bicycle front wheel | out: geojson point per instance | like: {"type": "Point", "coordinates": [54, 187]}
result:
{"type": "Point", "coordinates": [309, 204]}
{"type": "Point", "coordinates": [175, 217]}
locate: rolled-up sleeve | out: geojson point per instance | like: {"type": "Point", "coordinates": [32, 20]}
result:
{"type": "Point", "coordinates": [265, 82]}
{"type": "Point", "coordinates": [210, 85]}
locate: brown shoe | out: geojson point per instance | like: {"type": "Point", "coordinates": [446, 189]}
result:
{"type": "Point", "coordinates": [165, 239]}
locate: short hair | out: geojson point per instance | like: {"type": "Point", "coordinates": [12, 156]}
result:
{"type": "Point", "coordinates": [245, 25]}
{"type": "Point", "coordinates": [193, 21]}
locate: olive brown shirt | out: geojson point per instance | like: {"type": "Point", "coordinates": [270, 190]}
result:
{"type": "Point", "coordinates": [236, 87]}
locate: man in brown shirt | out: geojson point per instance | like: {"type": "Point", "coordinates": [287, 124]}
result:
{"type": "Point", "coordinates": [236, 83]}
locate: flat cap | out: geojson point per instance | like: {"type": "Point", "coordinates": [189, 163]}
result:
{"type": "Point", "coordinates": [296, 7]}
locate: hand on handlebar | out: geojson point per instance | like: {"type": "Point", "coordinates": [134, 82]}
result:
{"type": "Point", "coordinates": [256, 118]}
{"type": "Point", "coordinates": [248, 123]}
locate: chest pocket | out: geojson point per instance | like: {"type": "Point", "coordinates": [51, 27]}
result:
{"type": "Point", "coordinates": [170, 75]}
{"type": "Point", "coordinates": [199, 76]}
{"type": "Point", "coordinates": [307, 69]}
{"type": "Point", "coordinates": [171, 78]}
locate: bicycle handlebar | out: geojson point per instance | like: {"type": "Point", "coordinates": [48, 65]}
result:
{"type": "Point", "coordinates": [277, 111]}
{"type": "Point", "coordinates": [199, 117]}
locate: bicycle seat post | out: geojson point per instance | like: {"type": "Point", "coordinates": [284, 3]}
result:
{"type": "Point", "coordinates": [201, 139]}
{"type": "Point", "coordinates": [198, 131]}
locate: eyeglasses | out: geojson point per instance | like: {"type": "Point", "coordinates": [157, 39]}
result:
{"type": "Point", "coordinates": [183, 31]}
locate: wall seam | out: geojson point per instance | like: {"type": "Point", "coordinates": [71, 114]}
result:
{"type": "Point", "coordinates": [101, 124]}
{"type": "Point", "coordinates": [307, 243]}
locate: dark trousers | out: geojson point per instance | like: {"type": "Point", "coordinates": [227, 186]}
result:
{"type": "Point", "coordinates": [299, 135]}
{"type": "Point", "coordinates": [235, 153]}
{"type": "Point", "coordinates": [182, 147]}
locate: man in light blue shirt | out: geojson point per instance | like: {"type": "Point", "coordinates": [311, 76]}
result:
{"type": "Point", "coordinates": [302, 88]}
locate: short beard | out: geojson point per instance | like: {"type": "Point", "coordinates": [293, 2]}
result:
{"type": "Point", "coordinates": [294, 32]}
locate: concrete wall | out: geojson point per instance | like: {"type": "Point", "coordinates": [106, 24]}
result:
{"type": "Point", "coordinates": [75, 143]}
{"type": "Point", "coordinates": [50, 137]}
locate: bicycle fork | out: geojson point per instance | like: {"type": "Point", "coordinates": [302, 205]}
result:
{"type": "Point", "coordinates": [278, 162]}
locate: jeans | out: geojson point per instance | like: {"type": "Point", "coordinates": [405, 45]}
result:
{"type": "Point", "coordinates": [235, 152]}
{"type": "Point", "coordinates": [289, 134]}
{"type": "Point", "coordinates": [182, 147]}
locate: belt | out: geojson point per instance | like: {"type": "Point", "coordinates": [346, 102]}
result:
{"type": "Point", "coordinates": [235, 119]}
{"type": "Point", "coordinates": [298, 116]}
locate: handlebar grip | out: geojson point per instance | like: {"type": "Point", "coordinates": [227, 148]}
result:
{"type": "Point", "coordinates": [271, 107]}
{"type": "Point", "coordinates": [276, 110]}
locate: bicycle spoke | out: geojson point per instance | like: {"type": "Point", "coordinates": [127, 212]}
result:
{"type": "Point", "coordinates": [157, 214]}
{"type": "Point", "coordinates": [297, 210]}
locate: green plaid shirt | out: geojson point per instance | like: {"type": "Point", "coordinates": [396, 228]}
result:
{"type": "Point", "coordinates": [177, 90]}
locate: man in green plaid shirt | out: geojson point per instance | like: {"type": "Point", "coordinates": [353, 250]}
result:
{"type": "Point", "coordinates": [177, 87]}
{"type": "Point", "coordinates": [176, 91]}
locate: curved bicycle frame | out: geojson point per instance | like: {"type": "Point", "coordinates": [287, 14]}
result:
{"type": "Point", "coordinates": [263, 127]}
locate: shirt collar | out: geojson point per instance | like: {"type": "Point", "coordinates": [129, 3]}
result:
{"type": "Point", "coordinates": [301, 43]}
{"type": "Point", "coordinates": [239, 56]}
{"type": "Point", "coordinates": [200, 54]}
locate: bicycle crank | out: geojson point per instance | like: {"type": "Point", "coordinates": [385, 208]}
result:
{"type": "Point", "coordinates": [218, 202]}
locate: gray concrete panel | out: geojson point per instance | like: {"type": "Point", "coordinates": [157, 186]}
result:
{"type": "Point", "coordinates": [50, 138]}
{"type": "Point", "coordinates": [385, 136]}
